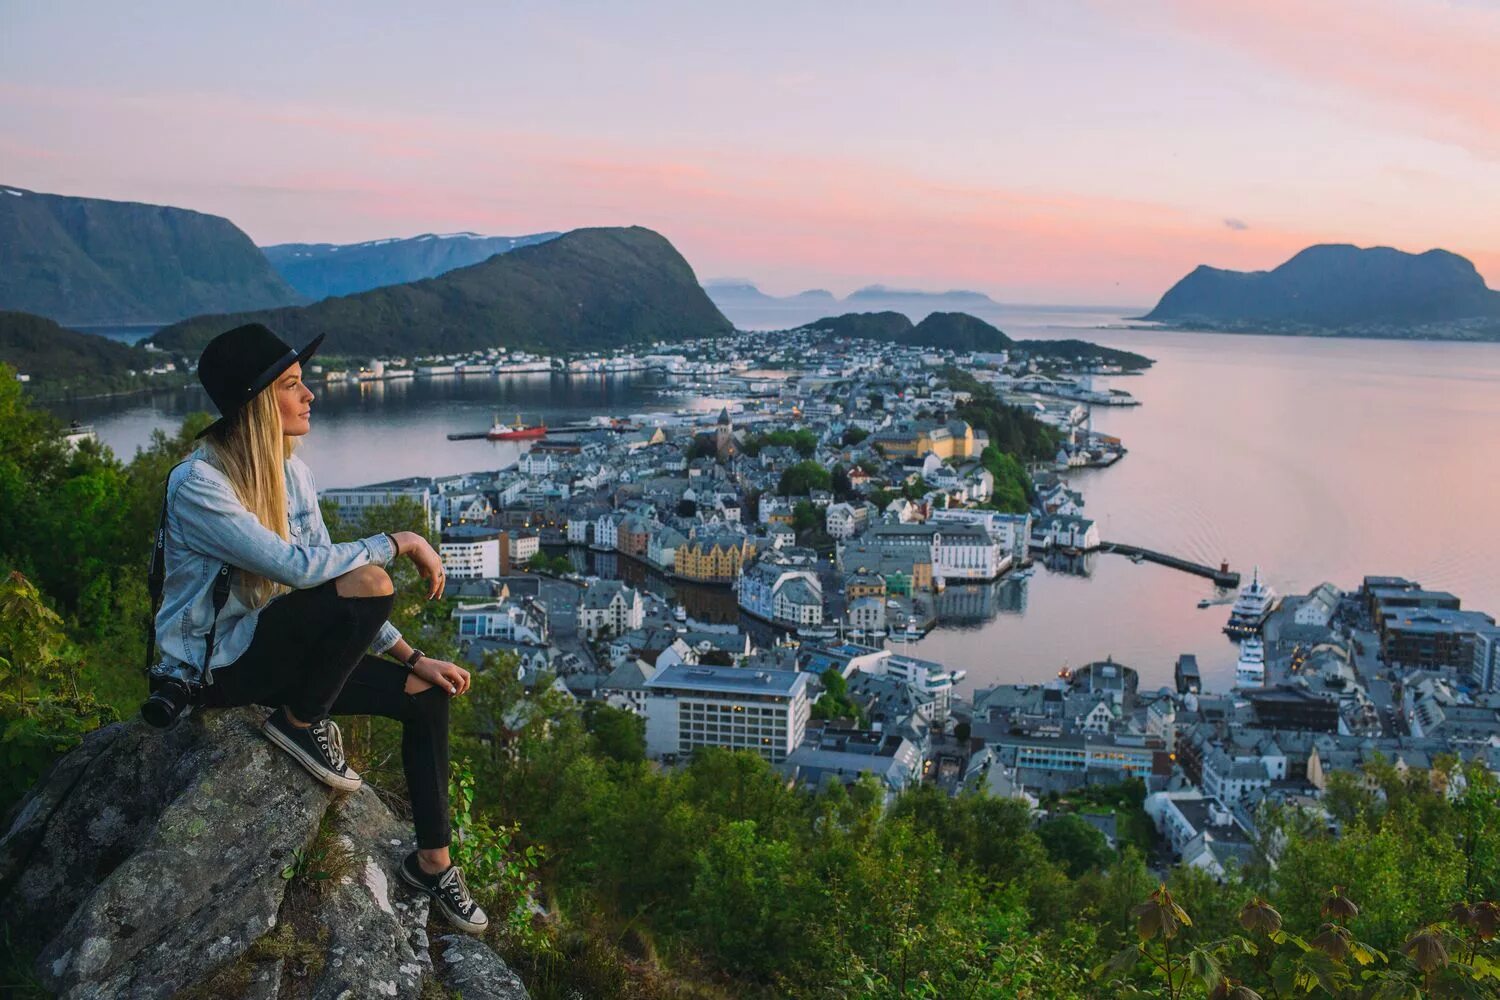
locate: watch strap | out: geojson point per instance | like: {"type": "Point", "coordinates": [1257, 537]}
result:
{"type": "Point", "coordinates": [411, 661]}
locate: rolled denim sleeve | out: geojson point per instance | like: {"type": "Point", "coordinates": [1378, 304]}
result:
{"type": "Point", "coordinates": [387, 637]}
{"type": "Point", "coordinates": [212, 520]}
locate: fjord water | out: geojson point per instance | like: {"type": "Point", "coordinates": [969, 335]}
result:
{"type": "Point", "coordinates": [1314, 459]}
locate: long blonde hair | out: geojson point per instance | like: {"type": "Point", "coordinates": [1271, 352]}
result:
{"type": "Point", "coordinates": [251, 451]}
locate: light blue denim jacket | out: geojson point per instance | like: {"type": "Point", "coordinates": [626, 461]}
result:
{"type": "Point", "coordinates": [207, 526]}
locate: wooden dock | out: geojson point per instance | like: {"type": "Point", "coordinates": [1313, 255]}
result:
{"type": "Point", "coordinates": [1222, 577]}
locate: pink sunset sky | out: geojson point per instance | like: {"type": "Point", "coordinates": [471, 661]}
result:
{"type": "Point", "coordinates": [1048, 152]}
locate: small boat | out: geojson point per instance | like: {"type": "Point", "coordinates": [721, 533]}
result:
{"type": "Point", "coordinates": [515, 432]}
{"type": "Point", "coordinates": [909, 634]}
{"type": "Point", "coordinates": [1205, 603]}
{"type": "Point", "coordinates": [1025, 573]}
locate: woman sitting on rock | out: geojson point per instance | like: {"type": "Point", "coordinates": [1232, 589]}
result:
{"type": "Point", "coordinates": [305, 620]}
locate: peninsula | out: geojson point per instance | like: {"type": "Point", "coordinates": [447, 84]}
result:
{"type": "Point", "coordinates": [1342, 291]}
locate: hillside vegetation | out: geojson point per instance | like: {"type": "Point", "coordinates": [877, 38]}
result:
{"type": "Point", "coordinates": [586, 290]}
{"type": "Point", "coordinates": [91, 261]}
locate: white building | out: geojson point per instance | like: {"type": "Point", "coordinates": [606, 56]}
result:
{"type": "Point", "coordinates": [1012, 532]}
{"type": "Point", "coordinates": [932, 679]}
{"type": "Point", "coordinates": [352, 502]}
{"type": "Point", "coordinates": [470, 551]}
{"type": "Point", "coordinates": [690, 706]}
{"type": "Point", "coordinates": [967, 552]}
{"type": "Point", "coordinates": [578, 530]}
{"type": "Point", "coordinates": [612, 606]}
{"type": "Point", "coordinates": [1318, 607]}
{"type": "Point", "coordinates": [607, 531]}
{"type": "Point", "coordinates": [538, 463]}
{"type": "Point", "coordinates": [845, 520]}
{"type": "Point", "coordinates": [798, 599]}
{"type": "Point", "coordinates": [524, 545]}
{"type": "Point", "coordinates": [500, 620]}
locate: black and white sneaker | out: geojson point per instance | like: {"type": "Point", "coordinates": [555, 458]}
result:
{"type": "Point", "coordinates": [449, 891]}
{"type": "Point", "coordinates": [318, 747]}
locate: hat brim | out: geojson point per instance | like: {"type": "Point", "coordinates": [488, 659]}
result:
{"type": "Point", "coordinates": [269, 376]}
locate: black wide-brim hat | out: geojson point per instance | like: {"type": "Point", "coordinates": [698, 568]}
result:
{"type": "Point", "coordinates": [241, 362]}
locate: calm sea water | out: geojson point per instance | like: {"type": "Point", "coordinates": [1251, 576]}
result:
{"type": "Point", "coordinates": [1313, 459]}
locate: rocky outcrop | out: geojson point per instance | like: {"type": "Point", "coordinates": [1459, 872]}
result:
{"type": "Point", "coordinates": [151, 864]}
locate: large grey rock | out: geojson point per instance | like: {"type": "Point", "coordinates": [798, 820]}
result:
{"type": "Point", "coordinates": [211, 821]}
{"type": "Point", "coordinates": [377, 925]}
{"type": "Point", "coordinates": [145, 863]}
{"type": "Point", "coordinates": [471, 968]}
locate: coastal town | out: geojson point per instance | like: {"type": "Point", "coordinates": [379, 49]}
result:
{"type": "Point", "coordinates": [752, 576]}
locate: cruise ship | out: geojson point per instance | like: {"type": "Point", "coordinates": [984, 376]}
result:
{"type": "Point", "coordinates": [1251, 670]}
{"type": "Point", "coordinates": [1255, 602]}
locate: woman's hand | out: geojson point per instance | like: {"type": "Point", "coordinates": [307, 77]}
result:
{"type": "Point", "coordinates": [429, 564]}
{"type": "Point", "coordinates": [440, 673]}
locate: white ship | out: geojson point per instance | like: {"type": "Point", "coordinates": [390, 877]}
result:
{"type": "Point", "coordinates": [1251, 670]}
{"type": "Point", "coordinates": [523, 367]}
{"type": "Point", "coordinates": [1256, 601]}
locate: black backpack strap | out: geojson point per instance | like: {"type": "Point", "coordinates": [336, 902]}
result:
{"type": "Point", "coordinates": [156, 578]}
{"type": "Point", "coordinates": [156, 582]}
{"type": "Point", "coordinates": [221, 595]}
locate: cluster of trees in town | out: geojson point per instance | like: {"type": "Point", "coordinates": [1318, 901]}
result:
{"type": "Point", "coordinates": [715, 878]}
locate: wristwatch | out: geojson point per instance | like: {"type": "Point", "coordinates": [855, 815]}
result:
{"type": "Point", "coordinates": [411, 661]}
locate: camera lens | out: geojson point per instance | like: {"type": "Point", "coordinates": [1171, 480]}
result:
{"type": "Point", "coordinates": [165, 704]}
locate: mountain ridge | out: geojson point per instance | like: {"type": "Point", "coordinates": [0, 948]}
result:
{"type": "Point", "coordinates": [324, 270]}
{"type": "Point", "coordinates": [82, 260]}
{"type": "Point", "coordinates": [589, 288]}
{"type": "Point", "coordinates": [1337, 288]}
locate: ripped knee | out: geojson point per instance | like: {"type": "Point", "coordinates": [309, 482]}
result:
{"type": "Point", "coordinates": [365, 581]}
{"type": "Point", "coordinates": [431, 704]}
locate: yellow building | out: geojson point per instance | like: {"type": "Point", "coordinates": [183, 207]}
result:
{"type": "Point", "coordinates": [954, 440]}
{"type": "Point", "coordinates": [864, 583]}
{"type": "Point", "coordinates": [714, 559]}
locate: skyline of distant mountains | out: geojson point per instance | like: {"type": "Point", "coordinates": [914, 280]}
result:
{"type": "Point", "coordinates": [321, 270]}
{"type": "Point", "coordinates": [740, 291]}
{"type": "Point", "coordinates": [89, 262]}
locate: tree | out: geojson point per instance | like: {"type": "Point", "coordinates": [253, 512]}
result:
{"type": "Point", "coordinates": [840, 484]}
{"type": "Point", "coordinates": [801, 479]}
{"type": "Point", "coordinates": [834, 702]}
{"type": "Point", "coordinates": [619, 734]}
{"type": "Point", "coordinates": [854, 435]}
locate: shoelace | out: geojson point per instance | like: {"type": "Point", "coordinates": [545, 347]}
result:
{"type": "Point", "coordinates": [454, 877]}
{"type": "Point", "coordinates": [331, 740]}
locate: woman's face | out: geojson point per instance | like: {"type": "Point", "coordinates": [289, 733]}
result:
{"type": "Point", "coordinates": [294, 400]}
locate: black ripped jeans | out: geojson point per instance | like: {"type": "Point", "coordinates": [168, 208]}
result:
{"type": "Point", "coordinates": [309, 654]}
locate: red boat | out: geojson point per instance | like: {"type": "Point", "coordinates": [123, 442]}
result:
{"type": "Point", "coordinates": [516, 431]}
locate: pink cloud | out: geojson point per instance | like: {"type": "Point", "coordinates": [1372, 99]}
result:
{"type": "Point", "coordinates": [788, 220]}
{"type": "Point", "coordinates": [1435, 64]}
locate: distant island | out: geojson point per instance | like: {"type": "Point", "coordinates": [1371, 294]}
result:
{"type": "Point", "coordinates": [84, 261]}
{"type": "Point", "coordinates": [1340, 290]}
{"type": "Point", "coordinates": [739, 296]}
{"type": "Point", "coordinates": [588, 289]}
{"type": "Point", "coordinates": [321, 270]}
{"type": "Point", "coordinates": [962, 333]}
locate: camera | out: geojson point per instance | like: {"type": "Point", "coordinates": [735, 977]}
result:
{"type": "Point", "coordinates": [169, 696]}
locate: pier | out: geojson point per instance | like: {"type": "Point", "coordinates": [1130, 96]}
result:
{"type": "Point", "coordinates": [564, 429]}
{"type": "Point", "coordinates": [1222, 577]}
